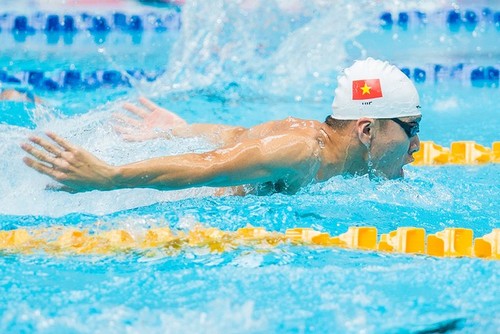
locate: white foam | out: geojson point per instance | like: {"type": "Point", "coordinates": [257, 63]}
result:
{"type": "Point", "coordinates": [24, 190]}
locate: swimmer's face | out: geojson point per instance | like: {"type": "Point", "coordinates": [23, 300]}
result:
{"type": "Point", "coordinates": [393, 146]}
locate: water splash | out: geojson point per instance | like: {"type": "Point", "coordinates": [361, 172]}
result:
{"type": "Point", "coordinates": [282, 48]}
{"type": "Point", "coordinates": [24, 191]}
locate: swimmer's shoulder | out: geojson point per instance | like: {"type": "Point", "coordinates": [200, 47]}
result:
{"type": "Point", "coordinates": [309, 128]}
{"type": "Point", "coordinates": [290, 127]}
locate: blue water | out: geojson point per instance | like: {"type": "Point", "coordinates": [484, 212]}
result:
{"type": "Point", "coordinates": [270, 67]}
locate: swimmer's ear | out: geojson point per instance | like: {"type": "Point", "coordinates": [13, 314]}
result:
{"type": "Point", "coordinates": [364, 128]}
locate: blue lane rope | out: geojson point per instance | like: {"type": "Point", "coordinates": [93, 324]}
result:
{"type": "Point", "coordinates": [482, 76]}
{"type": "Point", "coordinates": [455, 19]}
{"type": "Point", "coordinates": [477, 76]}
{"type": "Point", "coordinates": [169, 20]}
{"type": "Point", "coordinates": [74, 79]}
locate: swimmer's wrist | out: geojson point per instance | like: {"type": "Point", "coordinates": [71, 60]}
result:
{"type": "Point", "coordinates": [128, 176]}
{"type": "Point", "coordinates": [116, 177]}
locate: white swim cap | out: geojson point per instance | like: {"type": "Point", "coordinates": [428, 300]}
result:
{"type": "Point", "coordinates": [376, 89]}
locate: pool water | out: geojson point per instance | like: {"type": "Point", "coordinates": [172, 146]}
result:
{"type": "Point", "coordinates": [235, 65]}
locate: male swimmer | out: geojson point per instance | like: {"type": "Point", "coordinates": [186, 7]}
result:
{"type": "Point", "coordinates": [18, 95]}
{"type": "Point", "coordinates": [372, 130]}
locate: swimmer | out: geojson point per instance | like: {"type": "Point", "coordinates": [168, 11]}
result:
{"type": "Point", "coordinates": [373, 129]}
{"type": "Point", "coordinates": [18, 95]}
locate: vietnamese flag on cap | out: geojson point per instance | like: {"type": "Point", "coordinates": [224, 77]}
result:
{"type": "Point", "coordinates": [366, 89]}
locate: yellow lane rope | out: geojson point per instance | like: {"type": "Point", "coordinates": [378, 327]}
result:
{"type": "Point", "coordinates": [454, 242]}
{"type": "Point", "coordinates": [460, 153]}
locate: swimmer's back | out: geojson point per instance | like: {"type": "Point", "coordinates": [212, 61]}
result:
{"type": "Point", "coordinates": [289, 125]}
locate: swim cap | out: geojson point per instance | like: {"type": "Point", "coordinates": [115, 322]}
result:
{"type": "Point", "coordinates": [376, 89]}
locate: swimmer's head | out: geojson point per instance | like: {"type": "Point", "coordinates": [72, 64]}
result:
{"type": "Point", "coordinates": [378, 107]}
{"type": "Point", "coordinates": [376, 89]}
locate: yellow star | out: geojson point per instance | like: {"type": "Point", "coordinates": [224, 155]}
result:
{"type": "Point", "coordinates": [366, 89]}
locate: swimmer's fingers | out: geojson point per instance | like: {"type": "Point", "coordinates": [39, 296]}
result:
{"type": "Point", "coordinates": [128, 134]}
{"type": "Point", "coordinates": [38, 154]}
{"type": "Point", "coordinates": [58, 161]}
{"type": "Point", "coordinates": [149, 104]}
{"type": "Point", "coordinates": [167, 117]}
{"type": "Point", "coordinates": [62, 142]}
{"type": "Point", "coordinates": [123, 130]}
{"type": "Point", "coordinates": [128, 120]}
{"type": "Point", "coordinates": [135, 110]}
{"type": "Point", "coordinates": [49, 147]}
{"type": "Point", "coordinates": [51, 172]}
{"type": "Point", "coordinates": [44, 169]}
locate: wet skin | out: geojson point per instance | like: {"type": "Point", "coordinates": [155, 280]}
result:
{"type": "Point", "coordinates": [277, 156]}
{"type": "Point", "coordinates": [393, 149]}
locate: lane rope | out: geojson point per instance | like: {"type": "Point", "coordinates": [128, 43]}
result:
{"type": "Point", "coordinates": [482, 76]}
{"type": "Point", "coordinates": [75, 79]}
{"type": "Point", "coordinates": [169, 19]}
{"type": "Point", "coordinates": [459, 153]}
{"type": "Point", "coordinates": [451, 242]}
{"type": "Point", "coordinates": [455, 20]}
{"type": "Point", "coordinates": [54, 23]}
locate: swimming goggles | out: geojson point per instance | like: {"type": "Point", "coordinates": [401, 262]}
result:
{"type": "Point", "coordinates": [411, 129]}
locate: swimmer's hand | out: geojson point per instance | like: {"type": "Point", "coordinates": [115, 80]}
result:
{"type": "Point", "coordinates": [72, 166]}
{"type": "Point", "coordinates": [149, 123]}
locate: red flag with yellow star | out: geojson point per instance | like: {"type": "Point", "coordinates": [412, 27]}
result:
{"type": "Point", "coordinates": [366, 89]}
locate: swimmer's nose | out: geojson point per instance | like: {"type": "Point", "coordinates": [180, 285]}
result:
{"type": "Point", "coordinates": [414, 145]}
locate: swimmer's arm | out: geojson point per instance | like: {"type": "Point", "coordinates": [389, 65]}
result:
{"type": "Point", "coordinates": [249, 162]}
{"type": "Point", "coordinates": [152, 121]}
